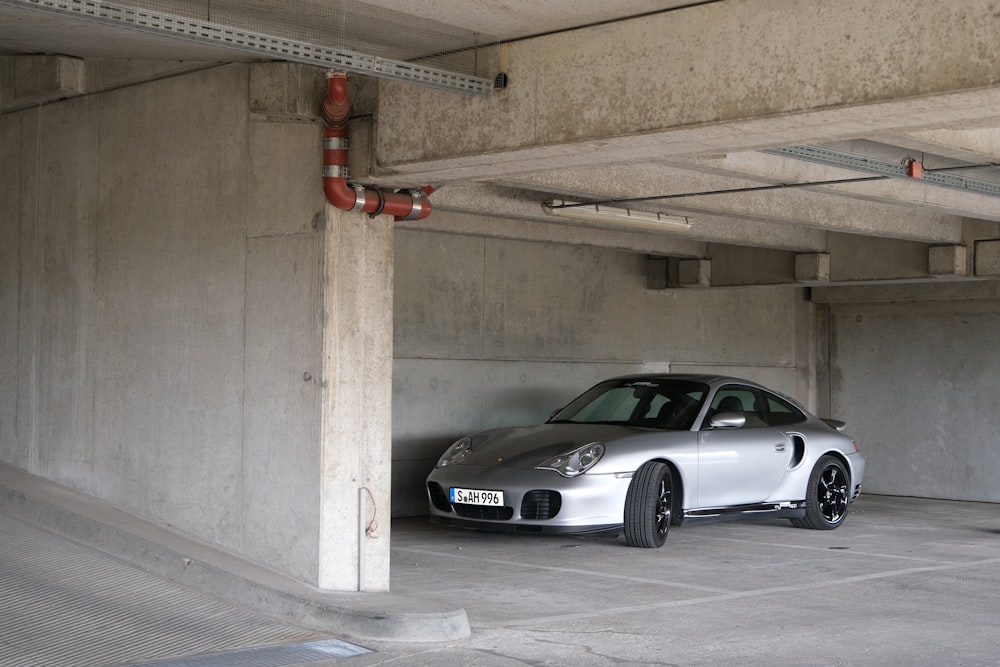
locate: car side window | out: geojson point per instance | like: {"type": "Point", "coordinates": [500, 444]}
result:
{"type": "Point", "coordinates": [740, 400]}
{"type": "Point", "coordinates": [783, 413]}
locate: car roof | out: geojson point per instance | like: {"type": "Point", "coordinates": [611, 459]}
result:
{"type": "Point", "coordinates": [692, 377]}
{"type": "Point", "coordinates": [712, 380]}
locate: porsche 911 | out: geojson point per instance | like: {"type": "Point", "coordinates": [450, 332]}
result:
{"type": "Point", "coordinates": [638, 454]}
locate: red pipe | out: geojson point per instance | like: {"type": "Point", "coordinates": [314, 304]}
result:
{"type": "Point", "coordinates": [405, 205]}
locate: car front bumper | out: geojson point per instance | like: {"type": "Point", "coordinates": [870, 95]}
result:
{"type": "Point", "coordinates": [534, 500]}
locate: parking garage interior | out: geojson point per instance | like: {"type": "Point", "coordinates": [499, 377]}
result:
{"type": "Point", "coordinates": [193, 334]}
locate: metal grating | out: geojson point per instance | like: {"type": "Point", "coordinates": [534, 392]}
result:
{"type": "Point", "coordinates": [438, 497]}
{"type": "Point", "coordinates": [874, 158]}
{"type": "Point", "coordinates": [483, 512]}
{"type": "Point", "coordinates": [340, 34]}
{"type": "Point", "coordinates": [540, 504]}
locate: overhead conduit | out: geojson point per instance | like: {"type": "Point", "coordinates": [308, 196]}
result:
{"type": "Point", "coordinates": [404, 205]}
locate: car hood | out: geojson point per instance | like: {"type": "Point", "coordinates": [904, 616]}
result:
{"type": "Point", "coordinates": [526, 447]}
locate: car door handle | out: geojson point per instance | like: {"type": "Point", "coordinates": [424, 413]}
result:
{"type": "Point", "coordinates": [780, 447]}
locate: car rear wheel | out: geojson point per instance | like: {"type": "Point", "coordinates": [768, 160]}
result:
{"type": "Point", "coordinates": [648, 506]}
{"type": "Point", "coordinates": [827, 496]}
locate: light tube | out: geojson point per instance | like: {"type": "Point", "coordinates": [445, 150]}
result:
{"type": "Point", "coordinates": [610, 215]}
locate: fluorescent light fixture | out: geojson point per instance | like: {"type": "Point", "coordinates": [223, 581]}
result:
{"type": "Point", "coordinates": [609, 215]}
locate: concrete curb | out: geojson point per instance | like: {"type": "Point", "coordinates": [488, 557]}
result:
{"type": "Point", "coordinates": [359, 616]}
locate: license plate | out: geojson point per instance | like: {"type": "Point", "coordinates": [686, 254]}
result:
{"type": "Point", "coordinates": [476, 497]}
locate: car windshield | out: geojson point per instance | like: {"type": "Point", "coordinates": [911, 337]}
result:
{"type": "Point", "coordinates": [648, 403]}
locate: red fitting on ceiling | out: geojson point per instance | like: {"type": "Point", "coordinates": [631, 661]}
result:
{"type": "Point", "coordinates": [404, 205]}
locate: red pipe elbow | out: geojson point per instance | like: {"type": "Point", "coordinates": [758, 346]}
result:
{"type": "Point", "coordinates": [404, 205]}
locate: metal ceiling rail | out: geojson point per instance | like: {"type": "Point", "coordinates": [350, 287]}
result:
{"type": "Point", "coordinates": [942, 178]}
{"type": "Point", "coordinates": [216, 34]}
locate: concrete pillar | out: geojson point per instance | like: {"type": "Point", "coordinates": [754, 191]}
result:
{"type": "Point", "coordinates": [355, 448]}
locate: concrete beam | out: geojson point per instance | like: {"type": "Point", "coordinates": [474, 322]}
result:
{"type": "Point", "coordinates": [812, 267]}
{"type": "Point", "coordinates": [976, 146]}
{"type": "Point", "coordinates": [852, 260]}
{"type": "Point", "coordinates": [793, 207]}
{"type": "Point", "coordinates": [44, 78]}
{"type": "Point", "coordinates": [30, 80]}
{"type": "Point", "coordinates": [987, 260]}
{"type": "Point", "coordinates": [708, 228]}
{"type": "Point", "coordinates": [661, 274]}
{"type": "Point", "coordinates": [949, 291]}
{"type": "Point", "coordinates": [474, 224]}
{"type": "Point", "coordinates": [935, 203]}
{"type": "Point", "coordinates": [286, 91]}
{"type": "Point", "coordinates": [862, 258]}
{"type": "Point", "coordinates": [695, 273]}
{"type": "Point", "coordinates": [738, 266]}
{"type": "Point", "coordinates": [947, 260]}
{"type": "Point", "coordinates": [778, 78]}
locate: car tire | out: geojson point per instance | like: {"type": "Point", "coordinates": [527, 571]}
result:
{"type": "Point", "coordinates": [827, 496]}
{"type": "Point", "coordinates": [648, 506]}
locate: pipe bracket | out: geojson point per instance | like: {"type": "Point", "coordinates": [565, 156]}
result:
{"type": "Point", "coordinates": [335, 171]}
{"type": "Point", "coordinates": [418, 205]}
{"type": "Point", "coordinates": [336, 144]}
{"type": "Point", "coordinates": [359, 198]}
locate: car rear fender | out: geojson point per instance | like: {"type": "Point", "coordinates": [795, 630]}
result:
{"type": "Point", "coordinates": [855, 465]}
{"type": "Point", "coordinates": [793, 484]}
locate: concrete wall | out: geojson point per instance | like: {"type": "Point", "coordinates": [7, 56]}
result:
{"type": "Point", "coordinates": [161, 311]}
{"type": "Point", "coordinates": [916, 383]}
{"type": "Point", "coordinates": [493, 332]}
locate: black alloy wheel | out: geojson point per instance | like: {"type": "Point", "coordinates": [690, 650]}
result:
{"type": "Point", "coordinates": [648, 506]}
{"type": "Point", "coordinates": [827, 495]}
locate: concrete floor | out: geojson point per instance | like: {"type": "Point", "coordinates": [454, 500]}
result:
{"type": "Point", "coordinates": [903, 582]}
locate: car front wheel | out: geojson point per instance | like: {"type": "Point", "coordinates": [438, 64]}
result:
{"type": "Point", "coordinates": [648, 506]}
{"type": "Point", "coordinates": [827, 496]}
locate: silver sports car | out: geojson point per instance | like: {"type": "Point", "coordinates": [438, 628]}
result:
{"type": "Point", "coordinates": [640, 453]}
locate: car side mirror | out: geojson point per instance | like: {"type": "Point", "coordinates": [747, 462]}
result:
{"type": "Point", "coordinates": [728, 420]}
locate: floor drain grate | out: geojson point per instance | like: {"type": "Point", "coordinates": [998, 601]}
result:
{"type": "Point", "coordinates": [268, 656]}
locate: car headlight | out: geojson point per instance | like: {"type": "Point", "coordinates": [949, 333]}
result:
{"type": "Point", "coordinates": [574, 462]}
{"type": "Point", "coordinates": [456, 453]}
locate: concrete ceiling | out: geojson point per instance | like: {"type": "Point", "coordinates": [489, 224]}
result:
{"type": "Point", "coordinates": [953, 124]}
